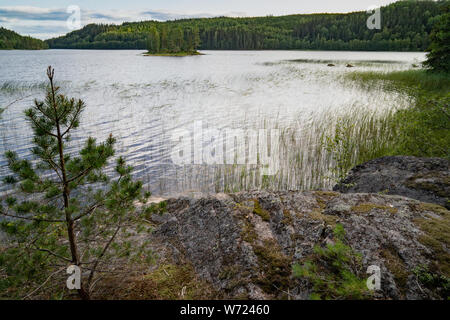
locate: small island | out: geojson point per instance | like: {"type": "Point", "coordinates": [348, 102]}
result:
{"type": "Point", "coordinates": [173, 42]}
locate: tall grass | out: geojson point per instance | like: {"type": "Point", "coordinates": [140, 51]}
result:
{"type": "Point", "coordinates": [313, 155]}
{"type": "Point", "coordinates": [320, 154]}
{"type": "Point", "coordinates": [438, 83]}
{"type": "Point", "coordinates": [16, 86]}
{"type": "Point", "coordinates": [423, 129]}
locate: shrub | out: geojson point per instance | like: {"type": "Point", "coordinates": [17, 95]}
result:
{"type": "Point", "coordinates": [334, 271]}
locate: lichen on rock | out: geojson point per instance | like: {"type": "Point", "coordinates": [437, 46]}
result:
{"type": "Point", "coordinates": [423, 179]}
{"type": "Point", "coordinates": [244, 254]}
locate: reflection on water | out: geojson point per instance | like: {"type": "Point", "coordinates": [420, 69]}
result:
{"type": "Point", "coordinates": [142, 100]}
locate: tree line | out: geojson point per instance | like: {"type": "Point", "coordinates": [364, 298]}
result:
{"type": "Point", "coordinates": [406, 26]}
{"type": "Point", "coordinates": [12, 40]}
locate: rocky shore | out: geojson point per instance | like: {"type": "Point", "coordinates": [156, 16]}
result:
{"type": "Point", "coordinates": [424, 179]}
{"type": "Point", "coordinates": [244, 245]}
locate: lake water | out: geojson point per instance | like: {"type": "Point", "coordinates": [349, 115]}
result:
{"type": "Point", "coordinates": [145, 100]}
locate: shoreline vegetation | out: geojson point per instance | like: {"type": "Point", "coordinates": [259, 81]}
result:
{"type": "Point", "coordinates": [10, 40]}
{"type": "Point", "coordinates": [406, 27]}
{"type": "Point", "coordinates": [422, 129]}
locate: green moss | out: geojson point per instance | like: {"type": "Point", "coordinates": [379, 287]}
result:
{"type": "Point", "coordinates": [321, 201]}
{"type": "Point", "coordinates": [264, 214]}
{"type": "Point", "coordinates": [167, 282]}
{"type": "Point", "coordinates": [436, 237]}
{"type": "Point", "coordinates": [287, 220]}
{"type": "Point", "coordinates": [397, 267]}
{"type": "Point", "coordinates": [273, 272]}
{"type": "Point", "coordinates": [296, 237]}
{"type": "Point", "coordinates": [248, 233]}
{"type": "Point", "coordinates": [319, 216]}
{"type": "Point", "coordinates": [423, 206]}
{"type": "Point", "coordinates": [334, 271]}
{"type": "Point", "coordinates": [367, 207]}
{"type": "Point", "coordinates": [170, 281]}
{"type": "Point", "coordinates": [229, 272]}
{"type": "Point", "coordinates": [436, 187]}
{"type": "Point", "coordinates": [326, 194]}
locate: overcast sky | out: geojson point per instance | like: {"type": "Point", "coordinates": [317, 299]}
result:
{"type": "Point", "coordinates": [47, 18]}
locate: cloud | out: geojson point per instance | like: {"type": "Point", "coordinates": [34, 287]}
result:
{"type": "Point", "coordinates": [45, 23]}
{"type": "Point", "coordinates": [32, 13]}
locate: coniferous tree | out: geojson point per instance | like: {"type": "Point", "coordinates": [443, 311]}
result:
{"type": "Point", "coordinates": [153, 44]}
{"type": "Point", "coordinates": [179, 38]}
{"type": "Point", "coordinates": [438, 58]}
{"type": "Point", "coordinates": [65, 209]}
{"type": "Point", "coordinates": [175, 40]}
{"type": "Point", "coordinates": [164, 38]}
{"type": "Point", "coordinates": [196, 35]}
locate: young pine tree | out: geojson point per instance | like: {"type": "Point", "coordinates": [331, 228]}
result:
{"type": "Point", "coordinates": [65, 210]}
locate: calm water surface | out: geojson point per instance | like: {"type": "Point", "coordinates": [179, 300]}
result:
{"type": "Point", "coordinates": [142, 100]}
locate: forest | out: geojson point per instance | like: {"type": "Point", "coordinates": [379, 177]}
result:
{"type": "Point", "coordinates": [173, 40]}
{"type": "Point", "coordinates": [12, 40]}
{"type": "Point", "coordinates": [405, 26]}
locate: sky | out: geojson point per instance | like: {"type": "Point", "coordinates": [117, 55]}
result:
{"type": "Point", "coordinates": [48, 18]}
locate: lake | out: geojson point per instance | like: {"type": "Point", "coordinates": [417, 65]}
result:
{"type": "Point", "coordinates": [162, 109]}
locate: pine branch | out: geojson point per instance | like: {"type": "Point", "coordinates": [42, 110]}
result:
{"type": "Point", "coordinates": [90, 210]}
{"type": "Point", "coordinates": [84, 172]}
{"type": "Point", "coordinates": [74, 119]}
{"type": "Point", "coordinates": [52, 253]}
{"type": "Point", "coordinates": [105, 248]}
{"type": "Point", "coordinates": [41, 128]}
{"type": "Point", "coordinates": [31, 218]}
{"type": "Point", "coordinates": [43, 284]}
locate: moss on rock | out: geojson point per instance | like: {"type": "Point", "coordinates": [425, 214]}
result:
{"type": "Point", "coordinates": [436, 236]}
{"type": "Point", "coordinates": [274, 272]}
{"type": "Point", "coordinates": [434, 182]}
{"type": "Point", "coordinates": [320, 216]}
{"type": "Point", "coordinates": [166, 282]}
{"type": "Point", "coordinates": [287, 220]}
{"type": "Point", "coordinates": [397, 267]}
{"type": "Point", "coordinates": [172, 282]}
{"type": "Point", "coordinates": [367, 207]}
{"type": "Point", "coordinates": [264, 214]}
